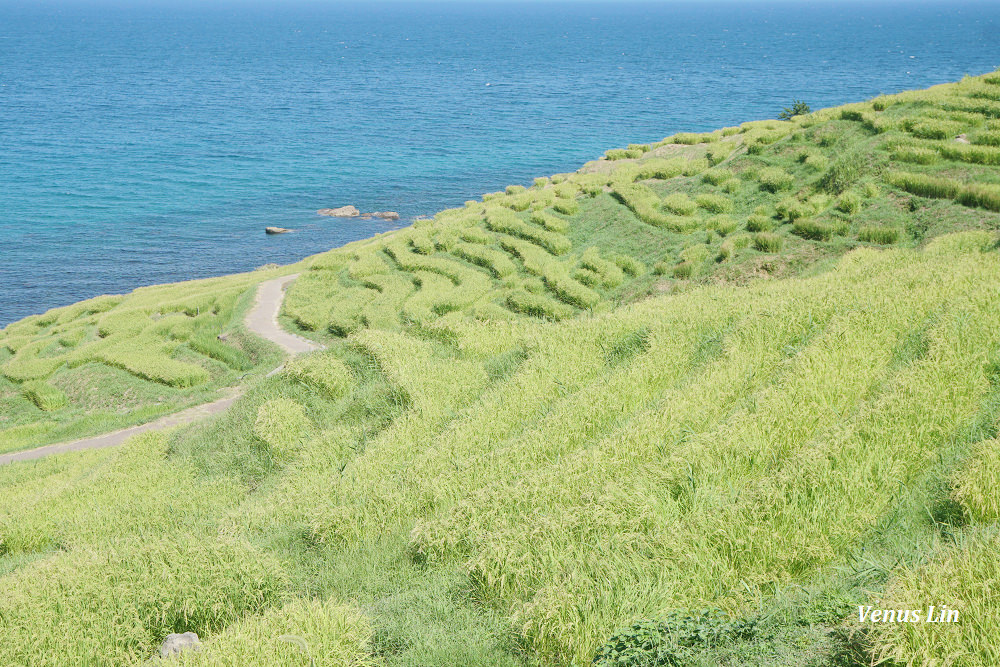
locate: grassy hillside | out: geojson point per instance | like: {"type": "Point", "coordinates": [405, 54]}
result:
{"type": "Point", "coordinates": [115, 361]}
{"type": "Point", "coordinates": [690, 405]}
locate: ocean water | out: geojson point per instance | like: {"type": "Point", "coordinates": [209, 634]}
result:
{"type": "Point", "coordinates": [143, 144]}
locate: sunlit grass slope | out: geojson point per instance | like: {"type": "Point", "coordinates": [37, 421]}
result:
{"type": "Point", "coordinates": [113, 361]}
{"type": "Point", "coordinates": [690, 405]}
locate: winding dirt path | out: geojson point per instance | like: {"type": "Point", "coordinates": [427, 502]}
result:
{"type": "Point", "coordinates": [262, 320]}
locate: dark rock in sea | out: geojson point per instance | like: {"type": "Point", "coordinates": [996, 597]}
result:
{"type": "Point", "coordinates": [386, 215]}
{"type": "Point", "coordinates": [342, 212]}
{"type": "Point", "coordinates": [175, 643]}
{"type": "Point", "coordinates": [276, 230]}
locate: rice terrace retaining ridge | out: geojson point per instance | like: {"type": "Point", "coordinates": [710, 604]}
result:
{"type": "Point", "coordinates": [261, 320]}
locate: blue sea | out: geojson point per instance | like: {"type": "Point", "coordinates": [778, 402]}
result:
{"type": "Point", "coordinates": [144, 143]}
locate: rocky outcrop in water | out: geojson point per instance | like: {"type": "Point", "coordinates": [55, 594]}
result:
{"type": "Point", "coordinates": [276, 230]}
{"type": "Point", "coordinates": [341, 212]}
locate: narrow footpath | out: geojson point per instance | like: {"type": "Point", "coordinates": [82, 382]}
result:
{"type": "Point", "coordinates": [261, 320]}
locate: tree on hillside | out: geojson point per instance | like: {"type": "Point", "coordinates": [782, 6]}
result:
{"type": "Point", "coordinates": [798, 108]}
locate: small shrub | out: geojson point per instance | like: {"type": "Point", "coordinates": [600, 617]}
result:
{"type": "Point", "coordinates": [495, 261]}
{"type": "Point", "coordinates": [774, 179]}
{"type": "Point", "coordinates": [541, 181]}
{"type": "Point", "coordinates": [767, 242]}
{"type": "Point", "coordinates": [845, 172]}
{"type": "Point", "coordinates": [515, 189]}
{"type": "Point", "coordinates": [880, 235]}
{"type": "Point", "coordinates": [714, 203]}
{"type": "Point", "coordinates": [689, 138]}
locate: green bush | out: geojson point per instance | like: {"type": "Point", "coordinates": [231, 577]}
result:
{"type": "Point", "coordinates": [44, 396]}
{"type": "Point", "coordinates": [622, 154]}
{"type": "Point", "coordinates": [767, 242]}
{"type": "Point", "coordinates": [680, 639]}
{"type": "Point", "coordinates": [714, 203]}
{"type": "Point", "coordinates": [774, 179]}
{"type": "Point", "coordinates": [881, 235]}
{"type": "Point", "coordinates": [689, 139]}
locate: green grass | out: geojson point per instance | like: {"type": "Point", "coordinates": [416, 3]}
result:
{"type": "Point", "coordinates": [524, 447]}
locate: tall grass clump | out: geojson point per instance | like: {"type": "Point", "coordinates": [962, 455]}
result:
{"type": "Point", "coordinates": [936, 129]}
{"type": "Point", "coordinates": [679, 203]}
{"type": "Point", "coordinates": [849, 202]}
{"type": "Point", "coordinates": [646, 204]}
{"type": "Point", "coordinates": [717, 176]}
{"type": "Point", "coordinates": [880, 235]}
{"type": "Point", "coordinates": [491, 259]}
{"type": "Point", "coordinates": [323, 371]}
{"type": "Point", "coordinates": [507, 222]}
{"type": "Point", "coordinates": [760, 223]}
{"type": "Point", "coordinates": [767, 242]}
{"type": "Point", "coordinates": [815, 230]}
{"type": "Point", "coordinates": [988, 155]}
{"type": "Point", "coordinates": [538, 305]}
{"type": "Point", "coordinates": [915, 154]}
{"type": "Point", "coordinates": [714, 203]}
{"type": "Point", "coordinates": [114, 604]}
{"type": "Point", "coordinates": [45, 397]}
{"type": "Point", "coordinates": [775, 179]}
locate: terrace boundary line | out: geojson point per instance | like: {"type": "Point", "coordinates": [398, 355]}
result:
{"type": "Point", "coordinates": [261, 320]}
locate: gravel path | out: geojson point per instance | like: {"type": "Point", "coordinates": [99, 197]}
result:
{"type": "Point", "coordinates": [262, 320]}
